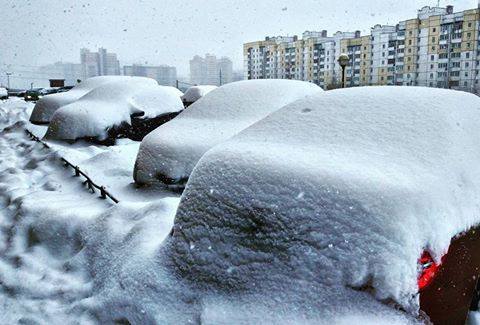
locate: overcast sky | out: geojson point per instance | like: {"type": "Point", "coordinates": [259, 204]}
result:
{"type": "Point", "coordinates": [38, 32]}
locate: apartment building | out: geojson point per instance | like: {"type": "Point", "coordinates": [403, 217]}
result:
{"type": "Point", "coordinates": [164, 74]}
{"type": "Point", "coordinates": [438, 48]}
{"type": "Point", "coordinates": [99, 63]}
{"type": "Point", "coordinates": [70, 72]}
{"type": "Point", "coordinates": [210, 70]}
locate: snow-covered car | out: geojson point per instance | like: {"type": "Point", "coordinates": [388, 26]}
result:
{"type": "Point", "coordinates": [45, 108]}
{"type": "Point", "coordinates": [177, 91]}
{"type": "Point", "coordinates": [358, 201]}
{"type": "Point", "coordinates": [3, 93]}
{"type": "Point", "coordinates": [170, 152]}
{"type": "Point", "coordinates": [194, 93]}
{"type": "Point", "coordinates": [128, 108]}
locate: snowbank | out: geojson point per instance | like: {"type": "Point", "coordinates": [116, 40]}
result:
{"type": "Point", "coordinates": [3, 93]}
{"type": "Point", "coordinates": [334, 194]}
{"type": "Point", "coordinates": [171, 151]}
{"type": "Point", "coordinates": [46, 107]}
{"type": "Point", "coordinates": [194, 93]}
{"type": "Point", "coordinates": [111, 106]}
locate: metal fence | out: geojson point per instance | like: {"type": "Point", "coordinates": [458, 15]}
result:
{"type": "Point", "coordinates": [91, 185]}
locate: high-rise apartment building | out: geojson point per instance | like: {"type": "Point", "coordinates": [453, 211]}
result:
{"type": "Point", "coordinates": [210, 70]}
{"type": "Point", "coordinates": [164, 74]}
{"type": "Point", "coordinates": [438, 48]}
{"type": "Point", "coordinates": [99, 63]}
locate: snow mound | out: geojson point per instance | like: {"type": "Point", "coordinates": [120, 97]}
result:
{"type": "Point", "coordinates": [3, 92]}
{"type": "Point", "coordinates": [46, 106]}
{"type": "Point", "coordinates": [333, 194]}
{"type": "Point", "coordinates": [112, 105]}
{"type": "Point", "coordinates": [171, 151]}
{"type": "Point", "coordinates": [194, 93]}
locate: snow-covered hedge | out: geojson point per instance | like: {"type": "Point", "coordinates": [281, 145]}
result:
{"type": "Point", "coordinates": [111, 106]}
{"type": "Point", "coordinates": [339, 191]}
{"type": "Point", "coordinates": [171, 151]}
{"type": "Point", "coordinates": [194, 93]}
{"type": "Point", "coordinates": [46, 106]}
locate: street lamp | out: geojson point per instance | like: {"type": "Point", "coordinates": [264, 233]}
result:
{"type": "Point", "coordinates": [8, 78]}
{"type": "Point", "coordinates": [343, 60]}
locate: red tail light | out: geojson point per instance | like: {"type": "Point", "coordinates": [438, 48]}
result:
{"type": "Point", "coordinates": [428, 270]}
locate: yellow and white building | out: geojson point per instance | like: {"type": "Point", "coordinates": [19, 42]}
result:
{"type": "Point", "coordinates": [438, 48]}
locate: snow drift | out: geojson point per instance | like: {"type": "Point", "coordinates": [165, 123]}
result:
{"type": "Point", "coordinates": [194, 93]}
{"type": "Point", "coordinates": [171, 151]}
{"type": "Point", "coordinates": [334, 196]}
{"type": "Point", "coordinates": [110, 107]}
{"type": "Point", "coordinates": [46, 106]}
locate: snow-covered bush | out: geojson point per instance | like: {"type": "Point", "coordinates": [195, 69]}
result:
{"type": "Point", "coordinates": [3, 93]}
{"type": "Point", "coordinates": [336, 193]}
{"type": "Point", "coordinates": [194, 93]}
{"type": "Point", "coordinates": [46, 107]}
{"type": "Point", "coordinates": [116, 109]}
{"type": "Point", "coordinates": [170, 152]}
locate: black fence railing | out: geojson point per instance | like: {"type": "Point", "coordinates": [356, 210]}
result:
{"type": "Point", "coordinates": [91, 185]}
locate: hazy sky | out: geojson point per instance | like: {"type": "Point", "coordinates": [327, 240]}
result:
{"type": "Point", "coordinates": [38, 32]}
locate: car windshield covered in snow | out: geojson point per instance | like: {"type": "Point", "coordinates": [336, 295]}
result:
{"type": "Point", "coordinates": [240, 162]}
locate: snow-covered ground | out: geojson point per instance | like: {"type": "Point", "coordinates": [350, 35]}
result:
{"type": "Point", "coordinates": [47, 219]}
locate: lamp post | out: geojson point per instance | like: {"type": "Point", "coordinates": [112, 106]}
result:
{"type": "Point", "coordinates": [343, 60]}
{"type": "Point", "coordinates": [8, 79]}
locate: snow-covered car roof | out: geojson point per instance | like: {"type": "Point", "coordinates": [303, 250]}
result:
{"type": "Point", "coordinates": [177, 91]}
{"type": "Point", "coordinates": [339, 193]}
{"type": "Point", "coordinates": [111, 105]}
{"type": "Point", "coordinates": [173, 149]}
{"type": "Point", "coordinates": [46, 107]}
{"type": "Point", "coordinates": [3, 92]}
{"type": "Point", "coordinates": [194, 93]}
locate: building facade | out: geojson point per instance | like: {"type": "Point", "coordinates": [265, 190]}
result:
{"type": "Point", "coordinates": [438, 48]}
{"type": "Point", "coordinates": [164, 74]}
{"type": "Point", "coordinates": [99, 63]}
{"type": "Point", "coordinates": [70, 72]}
{"type": "Point", "coordinates": [210, 70]}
